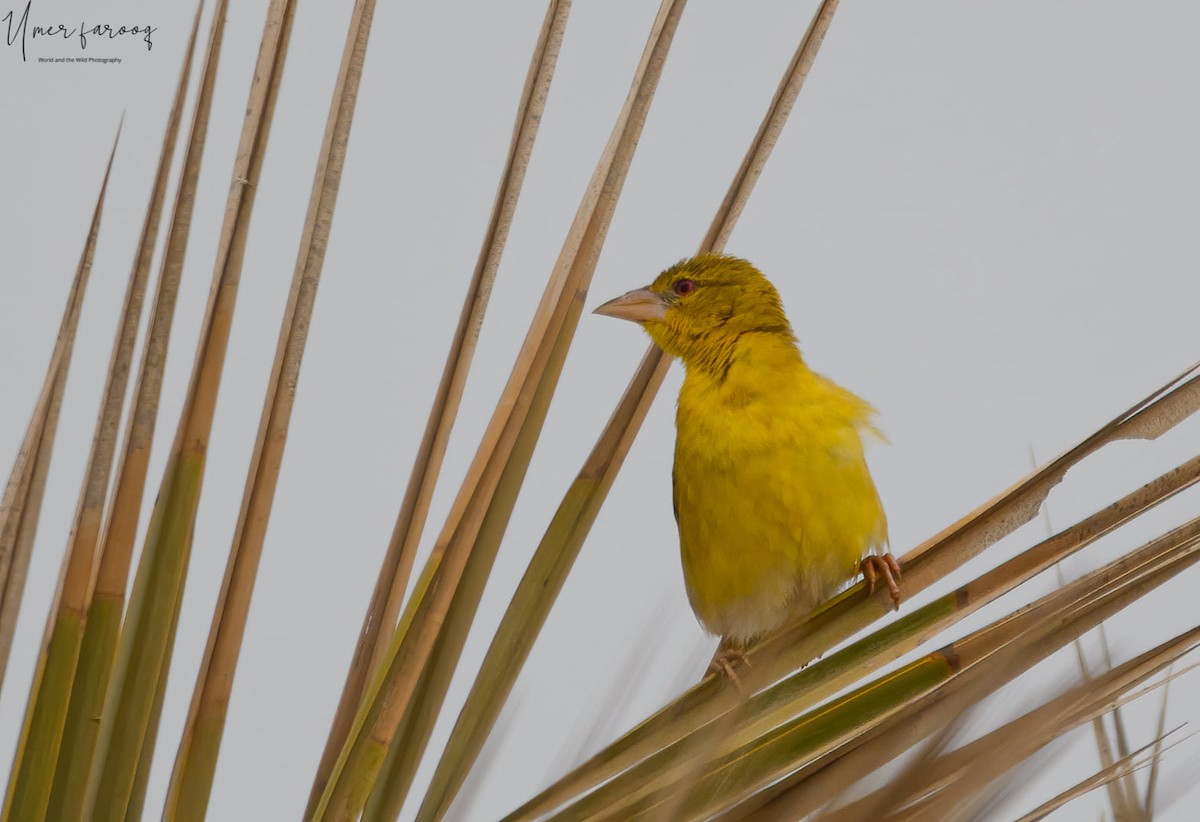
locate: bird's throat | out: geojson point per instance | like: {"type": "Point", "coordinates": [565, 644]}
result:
{"type": "Point", "coordinates": [756, 355]}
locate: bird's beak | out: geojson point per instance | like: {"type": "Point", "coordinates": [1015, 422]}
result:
{"type": "Point", "coordinates": [637, 306]}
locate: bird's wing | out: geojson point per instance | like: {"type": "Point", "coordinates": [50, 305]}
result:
{"type": "Point", "coordinates": [675, 493]}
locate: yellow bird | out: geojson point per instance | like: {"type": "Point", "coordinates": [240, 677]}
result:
{"type": "Point", "coordinates": [775, 506]}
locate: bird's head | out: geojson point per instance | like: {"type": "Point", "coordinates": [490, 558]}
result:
{"type": "Point", "coordinates": [699, 307]}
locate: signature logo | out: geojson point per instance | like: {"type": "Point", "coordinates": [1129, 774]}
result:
{"type": "Point", "coordinates": [84, 34]}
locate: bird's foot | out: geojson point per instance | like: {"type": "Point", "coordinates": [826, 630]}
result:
{"type": "Point", "coordinates": [725, 662]}
{"type": "Point", "coordinates": [885, 568]}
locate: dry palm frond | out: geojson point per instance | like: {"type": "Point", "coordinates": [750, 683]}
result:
{"type": "Point", "coordinates": [465, 549]}
{"type": "Point", "coordinates": [799, 736]}
{"type": "Point", "coordinates": [33, 773]}
{"type": "Point", "coordinates": [1033, 731]}
{"type": "Point", "coordinates": [738, 766]}
{"type": "Point", "coordinates": [196, 759]}
{"type": "Point", "coordinates": [22, 501]}
{"type": "Point", "coordinates": [937, 768]}
{"type": "Point", "coordinates": [564, 536]}
{"type": "Point", "coordinates": [948, 784]}
{"type": "Point", "coordinates": [474, 532]}
{"type": "Point", "coordinates": [1118, 790]}
{"type": "Point", "coordinates": [410, 522]}
{"type": "Point", "coordinates": [129, 723]}
{"type": "Point", "coordinates": [1152, 780]}
{"type": "Point", "coordinates": [106, 602]}
{"type": "Point", "coordinates": [694, 713]}
{"type": "Point", "coordinates": [1126, 785]}
{"type": "Point", "coordinates": [1118, 793]}
{"type": "Point", "coordinates": [1126, 765]}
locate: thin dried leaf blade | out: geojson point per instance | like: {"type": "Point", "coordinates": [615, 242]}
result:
{"type": "Point", "coordinates": [1057, 620]}
{"type": "Point", "coordinates": [196, 759]}
{"type": "Point", "coordinates": [748, 749]}
{"type": "Point", "coordinates": [41, 733]}
{"type": "Point", "coordinates": [1126, 765]}
{"type": "Point", "coordinates": [103, 619]}
{"type": "Point", "coordinates": [22, 501]}
{"type": "Point", "coordinates": [129, 727]}
{"type": "Point", "coordinates": [398, 560]}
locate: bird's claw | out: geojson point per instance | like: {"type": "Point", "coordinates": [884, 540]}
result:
{"type": "Point", "coordinates": [724, 663]}
{"type": "Point", "coordinates": [885, 568]}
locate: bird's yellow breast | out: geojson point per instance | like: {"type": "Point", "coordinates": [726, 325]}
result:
{"type": "Point", "coordinates": [772, 493]}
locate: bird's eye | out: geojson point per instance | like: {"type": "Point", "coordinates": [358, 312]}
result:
{"type": "Point", "coordinates": [684, 287]}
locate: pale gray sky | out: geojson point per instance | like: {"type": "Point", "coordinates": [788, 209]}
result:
{"type": "Point", "coordinates": [982, 218]}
